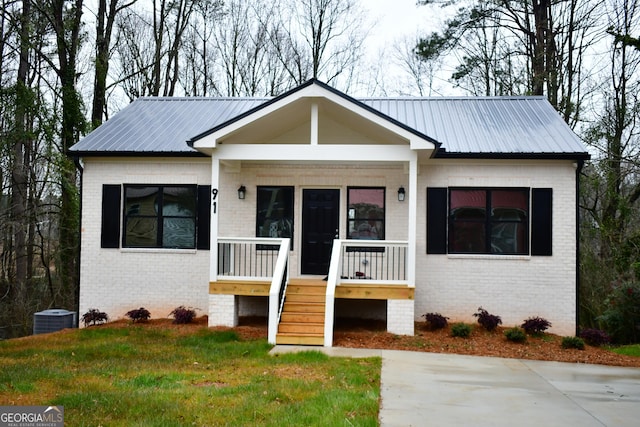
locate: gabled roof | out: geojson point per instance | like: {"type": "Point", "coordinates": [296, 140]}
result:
{"type": "Point", "coordinates": [491, 127]}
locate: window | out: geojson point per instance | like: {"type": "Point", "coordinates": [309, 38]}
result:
{"type": "Point", "coordinates": [488, 221]}
{"type": "Point", "coordinates": [156, 216]}
{"type": "Point", "coordinates": [512, 221]}
{"type": "Point", "coordinates": [159, 216]}
{"type": "Point", "coordinates": [274, 217]}
{"type": "Point", "coordinates": [365, 213]}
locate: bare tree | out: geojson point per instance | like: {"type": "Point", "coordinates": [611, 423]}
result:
{"type": "Point", "coordinates": [534, 47]}
{"type": "Point", "coordinates": [322, 39]}
{"type": "Point", "coordinates": [105, 21]}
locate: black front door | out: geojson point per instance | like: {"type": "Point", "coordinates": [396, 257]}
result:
{"type": "Point", "coordinates": [320, 219]}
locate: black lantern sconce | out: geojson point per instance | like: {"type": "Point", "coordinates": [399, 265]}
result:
{"type": "Point", "coordinates": [401, 194]}
{"type": "Point", "coordinates": [242, 191]}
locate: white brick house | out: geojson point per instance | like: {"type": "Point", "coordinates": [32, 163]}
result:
{"type": "Point", "coordinates": [314, 206]}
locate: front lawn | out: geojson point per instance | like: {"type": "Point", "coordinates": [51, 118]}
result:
{"type": "Point", "coordinates": [143, 376]}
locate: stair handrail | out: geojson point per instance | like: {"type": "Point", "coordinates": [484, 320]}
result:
{"type": "Point", "coordinates": [332, 282]}
{"type": "Point", "coordinates": [278, 289]}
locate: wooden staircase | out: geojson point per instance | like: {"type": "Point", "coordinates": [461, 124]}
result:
{"type": "Point", "coordinates": [302, 320]}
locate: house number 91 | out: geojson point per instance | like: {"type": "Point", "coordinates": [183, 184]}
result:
{"type": "Point", "coordinates": [214, 195]}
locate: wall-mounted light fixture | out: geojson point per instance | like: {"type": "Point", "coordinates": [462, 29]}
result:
{"type": "Point", "coordinates": [242, 191]}
{"type": "Point", "coordinates": [401, 194]}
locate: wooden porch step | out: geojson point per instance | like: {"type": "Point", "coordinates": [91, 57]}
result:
{"type": "Point", "coordinates": [303, 307]}
{"type": "Point", "coordinates": [301, 328]}
{"type": "Point", "coordinates": [302, 297]}
{"type": "Point", "coordinates": [293, 317]}
{"type": "Point", "coordinates": [294, 339]}
{"type": "Point", "coordinates": [302, 319]}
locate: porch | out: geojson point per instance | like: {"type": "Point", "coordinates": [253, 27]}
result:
{"type": "Point", "coordinates": [301, 310]}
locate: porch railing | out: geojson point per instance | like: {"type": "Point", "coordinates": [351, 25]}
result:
{"type": "Point", "coordinates": [363, 262]}
{"type": "Point", "coordinates": [258, 259]}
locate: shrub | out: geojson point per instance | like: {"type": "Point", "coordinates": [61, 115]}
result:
{"type": "Point", "coordinates": [488, 321]}
{"type": "Point", "coordinates": [535, 325]}
{"type": "Point", "coordinates": [573, 342]}
{"type": "Point", "coordinates": [436, 320]}
{"type": "Point", "coordinates": [515, 334]}
{"type": "Point", "coordinates": [594, 337]}
{"type": "Point", "coordinates": [139, 315]}
{"type": "Point", "coordinates": [182, 315]}
{"type": "Point", "coordinates": [621, 319]}
{"type": "Point", "coordinates": [461, 330]}
{"type": "Point", "coordinates": [94, 316]}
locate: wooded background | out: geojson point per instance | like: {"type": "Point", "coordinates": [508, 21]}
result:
{"type": "Point", "coordinates": [66, 66]}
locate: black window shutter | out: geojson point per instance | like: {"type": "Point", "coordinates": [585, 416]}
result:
{"type": "Point", "coordinates": [437, 209]}
{"type": "Point", "coordinates": [204, 217]}
{"type": "Point", "coordinates": [541, 221]}
{"type": "Point", "coordinates": [110, 232]}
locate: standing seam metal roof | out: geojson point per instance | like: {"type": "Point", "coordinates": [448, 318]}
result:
{"type": "Point", "coordinates": [465, 126]}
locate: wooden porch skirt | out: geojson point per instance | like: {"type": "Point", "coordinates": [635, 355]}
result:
{"type": "Point", "coordinates": [350, 291]}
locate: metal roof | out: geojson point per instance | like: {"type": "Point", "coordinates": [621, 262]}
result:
{"type": "Point", "coordinates": [464, 126]}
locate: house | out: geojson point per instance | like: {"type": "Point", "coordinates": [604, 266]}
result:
{"type": "Point", "coordinates": [314, 206]}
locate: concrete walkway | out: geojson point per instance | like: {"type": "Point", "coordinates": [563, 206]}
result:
{"type": "Point", "coordinates": [431, 389]}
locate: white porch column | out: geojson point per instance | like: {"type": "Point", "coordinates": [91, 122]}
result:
{"type": "Point", "coordinates": [413, 218]}
{"type": "Point", "coordinates": [215, 203]}
{"type": "Point", "coordinates": [223, 309]}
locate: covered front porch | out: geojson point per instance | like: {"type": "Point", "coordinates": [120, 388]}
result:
{"type": "Point", "coordinates": [301, 310]}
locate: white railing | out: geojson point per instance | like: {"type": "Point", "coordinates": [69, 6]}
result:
{"type": "Point", "coordinates": [258, 259]}
{"type": "Point", "coordinates": [363, 262]}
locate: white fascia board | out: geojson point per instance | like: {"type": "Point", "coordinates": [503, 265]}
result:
{"type": "Point", "coordinates": [304, 152]}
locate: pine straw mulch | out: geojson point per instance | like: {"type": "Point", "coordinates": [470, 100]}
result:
{"type": "Point", "coordinates": [354, 334]}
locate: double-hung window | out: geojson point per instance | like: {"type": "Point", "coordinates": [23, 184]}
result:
{"type": "Point", "coordinates": [160, 216]}
{"type": "Point", "coordinates": [507, 221]}
{"type": "Point", "coordinates": [489, 221]}
{"type": "Point", "coordinates": [156, 216]}
{"type": "Point", "coordinates": [366, 216]}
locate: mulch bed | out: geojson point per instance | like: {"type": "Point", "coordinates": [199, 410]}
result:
{"type": "Point", "coordinates": [372, 334]}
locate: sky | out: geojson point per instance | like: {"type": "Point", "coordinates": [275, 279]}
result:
{"type": "Point", "coordinates": [397, 18]}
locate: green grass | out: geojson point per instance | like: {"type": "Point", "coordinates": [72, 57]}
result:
{"type": "Point", "coordinates": [137, 376]}
{"type": "Point", "coordinates": [629, 350]}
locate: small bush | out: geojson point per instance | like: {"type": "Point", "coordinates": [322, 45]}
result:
{"type": "Point", "coordinates": [139, 315]}
{"type": "Point", "coordinates": [436, 320]}
{"type": "Point", "coordinates": [94, 316]}
{"type": "Point", "coordinates": [573, 342]}
{"type": "Point", "coordinates": [461, 330]}
{"type": "Point", "coordinates": [488, 321]}
{"type": "Point", "coordinates": [621, 319]}
{"type": "Point", "coordinates": [594, 337]}
{"type": "Point", "coordinates": [515, 334]}
{"type": "Point", "coordinates": [535, 325]}
{"type": "Point", "coordinates": [182, 315]}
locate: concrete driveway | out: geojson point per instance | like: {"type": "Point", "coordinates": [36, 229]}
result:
{"type": "Point", "coordinates": [431, 389]}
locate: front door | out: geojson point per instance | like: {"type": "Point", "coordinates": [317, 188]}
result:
{"type": "Point", "coordinates": [320, 219]}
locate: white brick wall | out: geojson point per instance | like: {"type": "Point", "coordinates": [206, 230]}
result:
{"type": "Point", "coordinates": [118, 280]}
{"type": "Point", "coordinates": [223, 310]}
{"type": "Point", "coordinates": [400, 317]}
{"type": "Point", "coordinates": [237, 217]}
{"type": "Point", "coordinates": [514, 288]}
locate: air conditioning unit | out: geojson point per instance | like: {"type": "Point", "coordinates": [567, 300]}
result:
{"type": "Point", "coordinates": [53, 320]}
